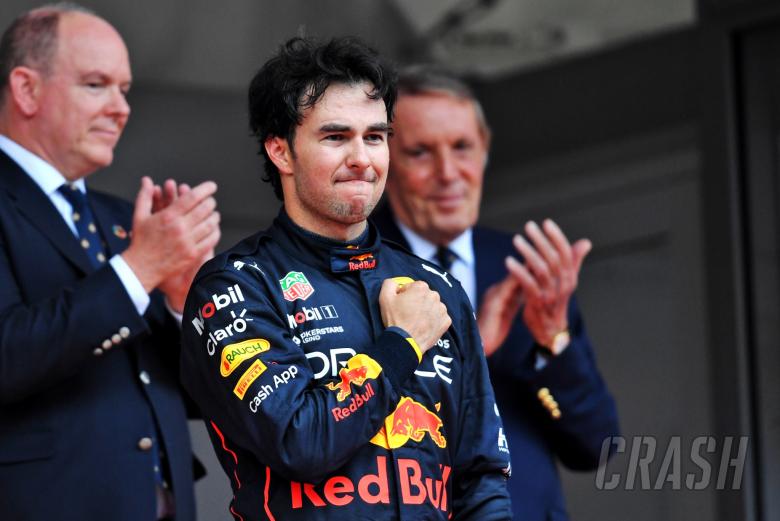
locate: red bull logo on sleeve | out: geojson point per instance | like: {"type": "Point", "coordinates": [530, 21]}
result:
{"type": "Point", "coordinates": [296, 286]}
{"type": "Point", "coordinates": [411, 420]}
{"type": "Point", "coordinates": [358, 369]}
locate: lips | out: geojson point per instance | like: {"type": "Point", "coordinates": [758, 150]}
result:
{"type": "Point", "coordinates": [448, 201]}
{"type": "Point", "coordinates": [111, 135]}
{"type": "Point", "coordinates": [366, 177]}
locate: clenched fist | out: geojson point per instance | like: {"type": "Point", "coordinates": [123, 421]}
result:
{"type": "Point", "coordinates": [416, 309]}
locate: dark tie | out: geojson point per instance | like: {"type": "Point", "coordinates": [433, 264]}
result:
{"type": "Point", "coordinates": [89, 237]}
{"type": "Point", "coordinates": [445, 257]}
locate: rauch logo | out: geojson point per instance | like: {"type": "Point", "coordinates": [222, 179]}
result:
{"type": "Point", "coordinates": [234, 354]}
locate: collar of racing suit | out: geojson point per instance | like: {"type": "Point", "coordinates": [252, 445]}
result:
{"type": "Point", "coordinates": [328, 254]}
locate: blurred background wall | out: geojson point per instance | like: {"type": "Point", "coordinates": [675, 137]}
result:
{"type": "Point", "coordinates": [651, 127]}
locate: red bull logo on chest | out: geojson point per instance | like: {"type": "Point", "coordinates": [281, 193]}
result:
{"type": "Point", "coordinates": [365, 261]}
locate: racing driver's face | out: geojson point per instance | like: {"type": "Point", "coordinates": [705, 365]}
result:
{"type": "Point", "coordinates": [335, 172]}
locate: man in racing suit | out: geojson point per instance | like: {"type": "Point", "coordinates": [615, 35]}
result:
{"type": "Point", "coordinates": [339, 376]}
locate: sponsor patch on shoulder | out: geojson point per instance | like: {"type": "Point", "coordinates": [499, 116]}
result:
{"type": "Point", "coordinates": [255, 370]}
{"type": "Point", "coordinates": [234, 354]}
{"type": "Point", "coordinates": [296, 286]}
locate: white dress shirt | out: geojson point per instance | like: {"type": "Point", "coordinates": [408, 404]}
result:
{"type": "Point", "coordinates": [49, 179]}
{"type": "Point", "coordinates": [463, 267]}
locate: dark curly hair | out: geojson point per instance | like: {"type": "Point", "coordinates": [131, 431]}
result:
{"type": "Point", "coordinates": [297, 77]}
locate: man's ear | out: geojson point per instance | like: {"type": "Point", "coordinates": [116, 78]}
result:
{"type": "Point", "coordinates": [279, 151]}
{"type": "Point", "coordinates": [25, 86]}
{"type": "Point", "coordinates": [487, 136]}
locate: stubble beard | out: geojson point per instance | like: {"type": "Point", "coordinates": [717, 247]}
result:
{"type": "Point", "coordinates": [346, 212]}
{"type": "Point", "coordinates": [355, 211]}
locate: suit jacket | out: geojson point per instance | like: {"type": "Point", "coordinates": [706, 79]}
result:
{"type": "Point", "coordinates": [536, 439]}
{"type": "Point", "coordinates": [74, 411]}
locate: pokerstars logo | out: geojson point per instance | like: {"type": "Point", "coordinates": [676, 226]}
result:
{"type": "Point", "coordinates": [311, 314]}
{"type": "Point", "coordinates": [296, 286]}
{"type": "Point", "coordinates": [218, 301]}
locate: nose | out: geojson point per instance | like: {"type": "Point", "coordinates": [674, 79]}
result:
{"type": "Point", "coordinates": [118, 104]}
{"type": "Point", "coordinates": [446, 166]}
{"type": "Point", "coordinates": [358, 156]}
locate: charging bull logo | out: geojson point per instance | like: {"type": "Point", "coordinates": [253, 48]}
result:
{"type": "Point", "coordinates": [411, 420]}
{"type": "Point", "coordinates": [365, 261]}
{"type": "Point", "coordinates": [358, 369]}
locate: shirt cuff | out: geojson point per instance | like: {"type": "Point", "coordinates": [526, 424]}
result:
{"type": "Point", "coordinates": [541, 361]}
{"type": "Point", "coordinates": [543, 356]}
{"type": "Point", "coordinates": [175, 314]}
{"type": "Point", "coordinates": [133, 286]}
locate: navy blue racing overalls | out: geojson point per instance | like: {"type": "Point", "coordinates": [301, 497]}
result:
{"type": "Point", "coordinates": [315, 409]}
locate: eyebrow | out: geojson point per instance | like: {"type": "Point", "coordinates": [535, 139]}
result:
{"type": "Point", "coordinates": [103, 77]}
{"type": "Point", "coordinates": [337, 127]}
{"type": "Point", "coordinates": [380, 127]}
{"type": "Point", "coordinates": [95, 74]}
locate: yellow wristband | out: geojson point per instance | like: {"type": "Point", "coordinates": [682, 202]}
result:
{"type": "Point", "coordinates": [416, 348]}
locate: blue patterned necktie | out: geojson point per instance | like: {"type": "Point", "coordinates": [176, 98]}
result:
{"type": "Point", "coordinates": [89, 236]}
{"type": "Point", "coordinates": [445, 257]}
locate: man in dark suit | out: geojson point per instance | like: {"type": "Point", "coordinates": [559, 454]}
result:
{"type": "Point", "coordinates": [552, 398]}
{"type": "Point", "coordinates": [92, 425]}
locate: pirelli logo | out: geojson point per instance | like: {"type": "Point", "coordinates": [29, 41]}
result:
{"type": "Point", "coordinates": [251, 374]}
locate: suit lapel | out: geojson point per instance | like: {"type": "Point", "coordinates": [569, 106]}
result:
{"type": "Point", "coordinates": [115, 236]}
{"type": "Point", "coordinates": [36, 206]}
{"type": "Point", "coordinates": [482, 283]}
